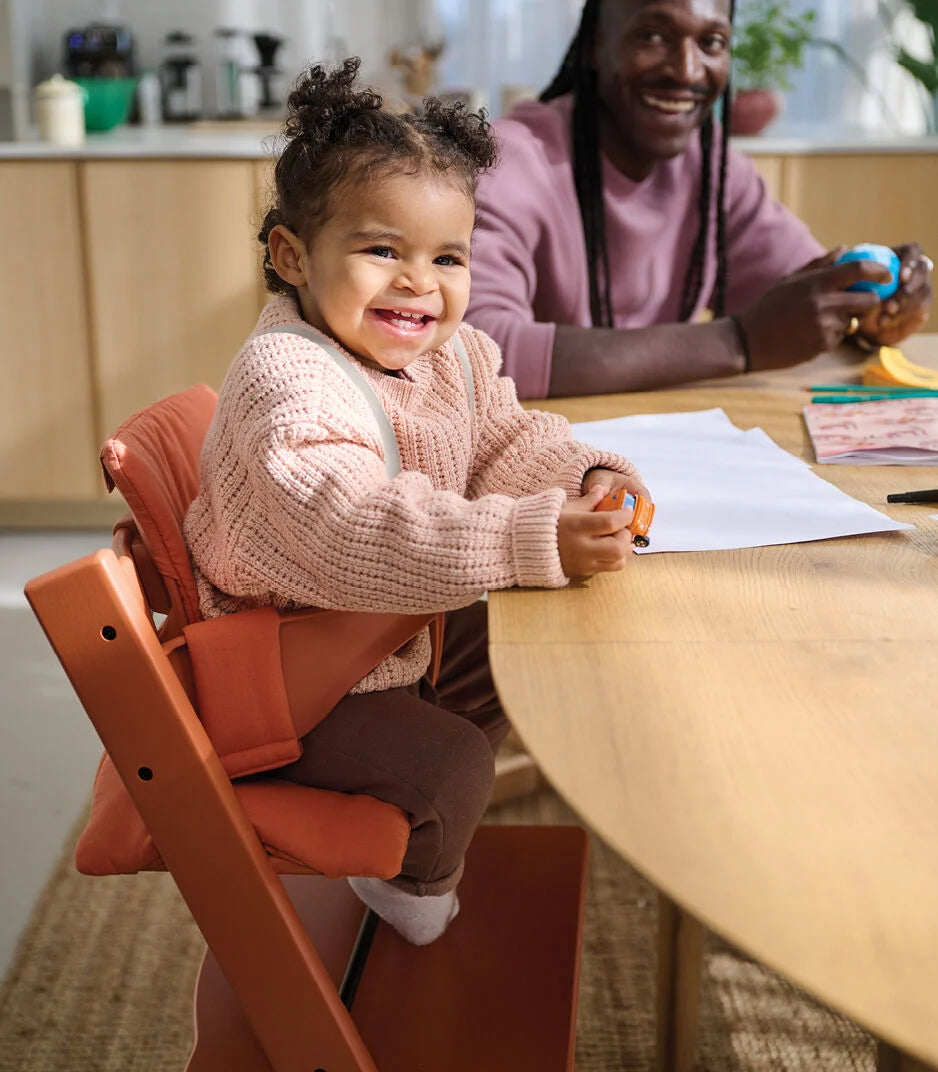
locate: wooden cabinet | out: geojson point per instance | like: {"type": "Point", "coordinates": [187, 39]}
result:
{"type": "Point", "coordinates": [123, 280]}
{"type": "Point", "coordinates": [847, 198]}
{"type": "Point", "coordinates": [47, 426]}
{"type": "Point", "coordinates": [263, 198]}
{"type": "Point", "coordinates": [772, 170]}
{"type": "Point", "coordinates": [172, 275]}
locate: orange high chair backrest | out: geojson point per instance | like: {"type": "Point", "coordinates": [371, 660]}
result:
{"type": "Point", "coordinates": [288, 956]}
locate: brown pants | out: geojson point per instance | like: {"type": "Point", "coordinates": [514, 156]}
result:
{"type": "Point", "coordinates": [430, 751]}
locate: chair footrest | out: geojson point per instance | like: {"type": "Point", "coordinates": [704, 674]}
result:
{"type": "Point", "coordinates": [497, 992]}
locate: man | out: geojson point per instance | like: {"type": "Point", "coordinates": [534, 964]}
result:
{"type": "Point", "coordinates": [618, 214]}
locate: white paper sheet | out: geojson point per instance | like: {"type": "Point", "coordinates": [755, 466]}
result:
{"type": "Point", "coordinates": [716, 487]}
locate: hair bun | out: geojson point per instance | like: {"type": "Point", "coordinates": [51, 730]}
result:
{"type": "Point", "coordinates": [322, 102]}
{"type": "Point", "coordinates": [469, 131]}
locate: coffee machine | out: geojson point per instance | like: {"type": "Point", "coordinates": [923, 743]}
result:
{"type": "Point", "coordinates": [271, 77]}
{"type": "Point", "coordinates": [99, 51]}
{"type": "Point", "coordinates": [181, 78]}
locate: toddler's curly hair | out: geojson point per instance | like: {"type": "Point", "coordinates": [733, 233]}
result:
{"type": "Point", "coordinates": [340, 135]}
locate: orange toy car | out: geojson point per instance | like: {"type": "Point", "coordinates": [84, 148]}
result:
{"type": "Point", "coordinates": [643, 510]}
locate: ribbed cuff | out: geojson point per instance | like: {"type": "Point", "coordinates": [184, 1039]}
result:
{"type": "Point", "coordinates": [534, 540]}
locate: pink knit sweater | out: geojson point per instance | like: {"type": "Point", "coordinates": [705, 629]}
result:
{"type": "Point", "coordinates": [295, 508]}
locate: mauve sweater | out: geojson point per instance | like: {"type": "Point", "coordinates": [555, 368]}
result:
{"type": "Point", "coordinates": [529, 269]}
{"type": "Point", "coordinates": [295, 508]}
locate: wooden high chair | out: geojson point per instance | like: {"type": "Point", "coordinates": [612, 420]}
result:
{"type": "Point", "coordinates": [298, 977]}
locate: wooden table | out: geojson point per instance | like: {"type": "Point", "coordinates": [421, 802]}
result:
{"type": "Point", "coordinates": [756, 731]}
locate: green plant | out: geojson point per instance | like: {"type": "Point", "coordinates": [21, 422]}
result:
{"type": "Point", "coordinates": [769, 43]}
{"type": "Point", "coordinates": [923, 70]}
{"type": "Point", "coordinates": [926, 71]}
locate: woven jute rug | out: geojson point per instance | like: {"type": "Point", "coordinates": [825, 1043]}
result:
{"type": "Point", "coordinates": [102, 981]}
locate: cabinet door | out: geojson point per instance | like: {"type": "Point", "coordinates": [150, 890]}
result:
{"type": "Point", "coordinates": [48, 448]}
{"type": "Point", "coordinates": [264, 195]}
{"type": "Point", "coordinates": [772, 170]}
{"type": "Point", "coordinates": [878, 197]}
{"type": "Point", "coordinates": [173, 275]}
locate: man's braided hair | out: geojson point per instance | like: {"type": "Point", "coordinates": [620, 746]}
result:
{"type": "Point", "coordinates": [577, 76]}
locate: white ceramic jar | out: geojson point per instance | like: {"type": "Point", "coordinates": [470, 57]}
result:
{"type": "Point", "coordinates": [60, 111]}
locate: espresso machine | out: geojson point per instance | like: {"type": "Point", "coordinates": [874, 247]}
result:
{"type": "Point", "coordinates": [270, 76]}
{"type": "Point", "coordinates": [99, 51]}
{"type": "Point", "coordinates": [181, 78]}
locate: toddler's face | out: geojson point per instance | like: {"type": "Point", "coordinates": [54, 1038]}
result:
{"type": "Point", "coordinates": [387, 275]}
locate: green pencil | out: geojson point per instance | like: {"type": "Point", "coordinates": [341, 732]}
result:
{"type": "Point", "coordinates": [827, 399]}
{"type": "Point", "coordinates": [864, 389]}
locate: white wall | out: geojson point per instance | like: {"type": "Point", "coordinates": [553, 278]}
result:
{"type": "Point", "coordinates": [497, 43]}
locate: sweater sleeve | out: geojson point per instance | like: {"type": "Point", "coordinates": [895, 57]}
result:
{"type": "Point", "coordinates": [520, 451]}
{"type": "Point", "coordinates": [764, 241]}
{"type": "Point", "coordinates": [511, 199]}
{"type": "Point", "coordinates": [320, 524]}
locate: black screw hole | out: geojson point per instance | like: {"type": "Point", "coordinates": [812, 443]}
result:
{"type": "Point", "coordinates": [109, 632]}
{"type": "Point", "coordinates": [144, 774]}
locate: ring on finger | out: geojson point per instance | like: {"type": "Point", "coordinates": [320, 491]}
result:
{"type": "Point", "coordinates": [853, 326]}
{"type": "Point", "coordinates": [928, 262]}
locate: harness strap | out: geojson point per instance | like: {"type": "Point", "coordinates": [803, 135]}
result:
{"type": "Point", "coordinates": [392, 455]}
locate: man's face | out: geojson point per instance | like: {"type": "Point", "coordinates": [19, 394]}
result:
{"type": "Point", "coordinates": [661, 65]}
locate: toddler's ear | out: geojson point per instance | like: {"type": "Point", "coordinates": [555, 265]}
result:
{"type": "Point", "coordinates": [287, 255]}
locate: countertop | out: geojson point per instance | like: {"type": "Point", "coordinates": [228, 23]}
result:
{"type": "Point", "coordinates": [236, 140]}
{"type": "Point", "coordinates": [257, 139]}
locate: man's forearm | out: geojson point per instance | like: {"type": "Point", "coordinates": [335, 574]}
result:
{"type": "Point", "coordinates": [594, 361]}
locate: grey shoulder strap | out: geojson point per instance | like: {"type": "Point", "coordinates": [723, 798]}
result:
{"type": "Point", "coordinates": [467, 372]}
{"type": "Point", "coordinates": [392, 455]}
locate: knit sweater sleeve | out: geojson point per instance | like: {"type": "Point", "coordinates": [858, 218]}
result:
{"type": "Point", "coordinates": [521, 452]}
{"type": "Point", "coordinates": [304, 514]}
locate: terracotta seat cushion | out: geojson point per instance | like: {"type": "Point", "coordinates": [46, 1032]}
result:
{"type": "Point", "coordinates": [303, 829]}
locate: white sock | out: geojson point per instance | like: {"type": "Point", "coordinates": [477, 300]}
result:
{"type": "Point", "coordinates": [420, 920]}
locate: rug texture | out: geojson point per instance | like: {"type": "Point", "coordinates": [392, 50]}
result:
{"type": "Point", "coordinates": [103, 977]}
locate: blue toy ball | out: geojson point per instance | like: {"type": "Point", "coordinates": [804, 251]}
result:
{"type": "Point", "coordinates": [883, 255]}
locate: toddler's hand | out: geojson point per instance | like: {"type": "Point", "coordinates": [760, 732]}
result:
{"type": "Point", "coordinates": [609, 480]}
{"type": "Point", "coordinates": [590, 542]}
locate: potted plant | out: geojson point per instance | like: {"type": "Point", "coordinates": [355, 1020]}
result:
{"type": "Point", "coordinates": [768, 43]}
{"type": "Point", "coordinates": [924, 70]}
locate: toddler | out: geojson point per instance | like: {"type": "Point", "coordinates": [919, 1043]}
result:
{"type": "Point", "coordinates": [366, 456]}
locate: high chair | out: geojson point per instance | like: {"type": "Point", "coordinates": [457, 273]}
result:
{"type": "Point", "coordinates": [297, 977]}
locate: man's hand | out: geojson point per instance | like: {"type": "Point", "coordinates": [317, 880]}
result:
{"type": "Point", "coordinates": [590, 542]}
{"type": "Point", "coordinates": [907, 310]}
{"type": "Point", "coordinates": [809, 312]}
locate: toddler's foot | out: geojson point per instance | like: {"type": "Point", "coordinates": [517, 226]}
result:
{"type": "Point", "coordinates": [420, 920]}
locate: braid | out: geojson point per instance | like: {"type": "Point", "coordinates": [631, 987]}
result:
{"type": "Point", "coordinates": [576, 75]}
{"type": "Point", "coordinates": [693, 279]}
{"type": "Point", "coordinates": [719, 287]}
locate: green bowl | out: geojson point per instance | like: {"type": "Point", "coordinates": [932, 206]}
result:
{"type": "Point", "coordinates": [107, 101]}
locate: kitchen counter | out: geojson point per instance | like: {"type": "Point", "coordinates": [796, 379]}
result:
{"type": "Point", "coordinates": [257, 139]}
{"type": "Point", "coordinates": [238, 140]}
{"type": "Point", "coordinates": [795, 144]}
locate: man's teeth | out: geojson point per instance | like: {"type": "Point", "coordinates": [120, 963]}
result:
{"type": "Point", "coordinates": [672, 107]}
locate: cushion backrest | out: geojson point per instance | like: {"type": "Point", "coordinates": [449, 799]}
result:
{"type": "Point", "coordinates": [153, 461]}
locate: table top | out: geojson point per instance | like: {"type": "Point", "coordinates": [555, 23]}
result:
{"type": "Point", "coordinates": [756, 730]}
